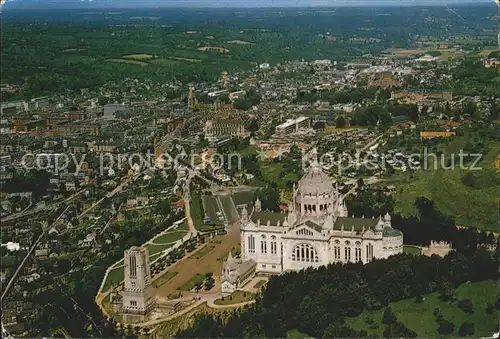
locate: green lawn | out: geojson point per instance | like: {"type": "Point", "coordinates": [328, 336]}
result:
{"type": "Point", "coordinates": [296, 334]}
{"type": "Point", "coordinates": [197, 213]}
{"type": "Point", "coordinates": [197, 278]}
{"type": "Point", "coordinates": [210, 228]}
{"type": "Point", "coordinates": [169, 237]}
{"type": "Point", "coordinates": [420, 318]}
{"type": "Point", "coordinates": [243, 197]}
{"type": "Point", "coordinates": [235, 298]}
{"type": "Point", "coordinates": [154, 257]}
{"type": "Point", "coordinates": [164, 278]}
{"type": "Point", "coordinates": [469, 207]}
{"type": "Point", "coordinates": [199, 254]}
{"type": "Point", "coordinates": [153, 249]}
{"type": "Point", "coordinates": [115, 276]}
{"type": "Point", "coordinates": [409, 249]}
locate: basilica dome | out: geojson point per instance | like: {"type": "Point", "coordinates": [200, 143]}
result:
{"type": "Point", "coordinates": [315, 181]}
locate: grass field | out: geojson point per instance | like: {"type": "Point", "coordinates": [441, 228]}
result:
{"type": "Point", "coordinates": [201, 253]}
{"type": "Point", "coordinates": [125, 61]}
{"type": "Point", "coordinates": [153, 249]}
{"type": "Point", "coordinates": [213, 49]}
{"type": "Point", "coordinates": [243, 197]}
{"type": "Point", "coordinates": [469, 207]}
{"type": "Point", "coordinates": [408, 249]}
{"type": "Point", "coordinates": [138, 56]}
{"type": "Point", "coordinates": [188, 286]}
{"type": "Point", "coordinates": [420, 318]}
{"type": "Point", "coordinates": [164, 278]}
{"type": "Point", "coordinates": [235, 298]}
{"type": "Point", "coordinates": [115, 276]}
{"type": "Point", "coordinates": [169, 237]}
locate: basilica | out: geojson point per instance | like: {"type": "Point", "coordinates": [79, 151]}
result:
{"type": "Point", "coordinates": [316, 230]}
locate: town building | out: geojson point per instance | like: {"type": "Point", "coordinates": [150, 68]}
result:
{"type": "Point", "coordinates": [316, 230]}
{"type": "Point", "coordinates": [113, 111]}
{"type": "Point", "coordinates": [294, 125]}
{"type": "Point", "coordinates": [219, 127]}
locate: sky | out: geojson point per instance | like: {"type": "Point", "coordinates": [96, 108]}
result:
{"type": "Point", "coordinates": [223, 3]}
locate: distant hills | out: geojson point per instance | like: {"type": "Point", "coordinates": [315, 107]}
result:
{"type": "Point", "coordinates": [76, 4]}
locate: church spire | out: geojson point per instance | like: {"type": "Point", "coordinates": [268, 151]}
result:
{"type": "Point", "coordinates": [314, 157]}
{"type": "Point", "coordinates": [244, 215]}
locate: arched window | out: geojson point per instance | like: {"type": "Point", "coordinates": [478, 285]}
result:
{"type": "Point", "coordinates": [251, 244]}
{"type": "Point", "coordinates": [305, 253]}
{"type": "Point", "coordinates": [263, 247]}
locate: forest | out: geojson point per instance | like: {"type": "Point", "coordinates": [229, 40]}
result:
{"type": "Point", "coordinates": [46, 52]}
{"type": "Point", "coordinates": [317, 301]}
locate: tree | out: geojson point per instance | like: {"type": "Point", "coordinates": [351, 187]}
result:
{"type": "Point", "coordinates": [342, 331]}
{"type": "Point", "coordinates": [389, 317]}
{"type": "Point", "coordinates": [497, 303]}
{"type": "Point", "coordinates": [340, 122]}
{"type": "Point", "coordinates": [243, 104]}
{"type": "Point", "coordinates": [163, 208]}
{"type": "Point", "coordinates": [398, 330]}
{"type": "Point", "coordinates": [466, 305]}
{"type": "Point", "coordinates": [466, 329]}
{"type": "Point", "coordinates": [446, 327]}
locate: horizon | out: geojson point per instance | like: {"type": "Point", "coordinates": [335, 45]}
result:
{"type": "Point", "coordinates": [228, 4]}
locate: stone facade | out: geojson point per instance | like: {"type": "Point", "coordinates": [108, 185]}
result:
{"type": "Point", "coordinates": [316, 231]}
{"type": "Point", "coordinates": [235, 272]}
{"type": "Point", "coordinates": [138, 294]}
{"type": "Point", "coordinates": [441, 248]}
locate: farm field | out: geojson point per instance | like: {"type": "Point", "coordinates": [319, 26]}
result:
{"type": "Point", "coordinates": [138, 56]}
{"type": "Point", "coordinates": [213, 49]}
{"type": "Point", "coordinates": [419, 317]}
{"type": "Point", "coordinates": [126, 61]}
